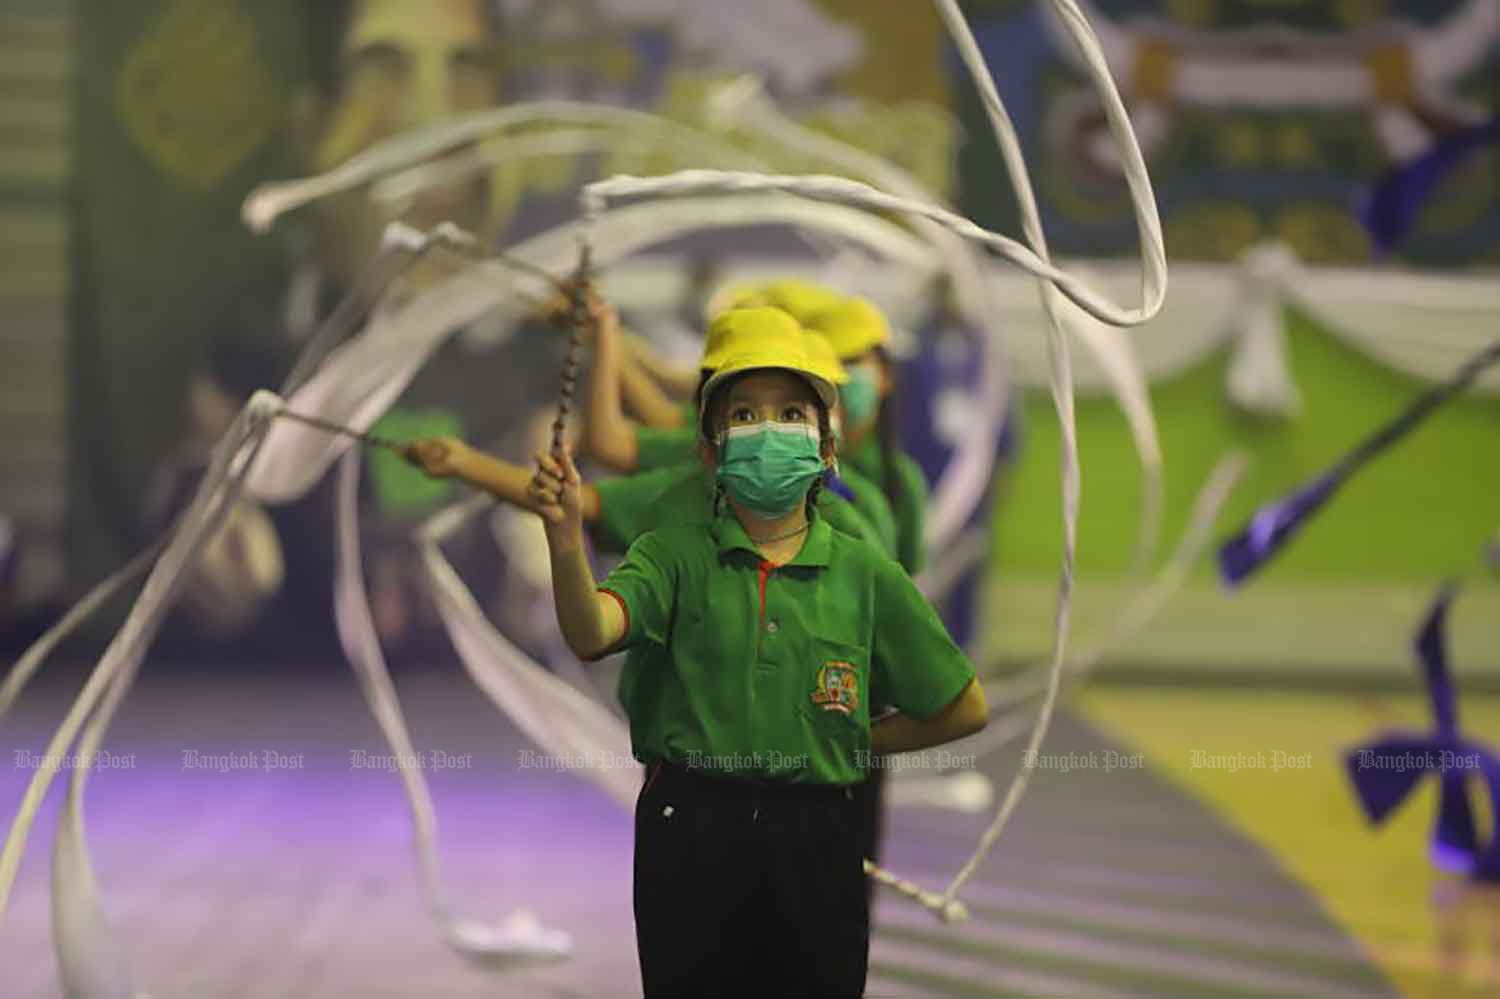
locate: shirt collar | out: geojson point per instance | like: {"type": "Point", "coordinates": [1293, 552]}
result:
{"type": "Point", "coordinates": [730, 536]}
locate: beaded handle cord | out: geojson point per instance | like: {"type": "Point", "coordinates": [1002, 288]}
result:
{"type": "Point", "coordinates": [578, 318]}
{"type": "Point", "coordinates": [343, 431]}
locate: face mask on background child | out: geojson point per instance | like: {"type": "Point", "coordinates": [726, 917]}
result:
{"type": "Point", "coordinates": [859, 395]}
{"type": "Point", "coordinates": [768, 467]}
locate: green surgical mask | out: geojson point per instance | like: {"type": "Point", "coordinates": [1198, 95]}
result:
{"type": "Point", "coordinates": [859, 396]}
{"type": "Point", "coordinates": [769, 466]}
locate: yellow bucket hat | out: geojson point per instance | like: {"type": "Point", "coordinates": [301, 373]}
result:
{"type": "Point", "coordinates": [797, 297]}
{"type": "Point", "coordinates": [760, 338]}
{"type": "Point", "coordinates": [854, 326]}
{"type": "Point", "coordinates": [822, 352]}
{"type": "Point", "coordinates": [715, 343]}
{"type": "Point", "coordinates": [801, 299]}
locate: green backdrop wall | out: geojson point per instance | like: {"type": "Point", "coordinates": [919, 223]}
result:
{"type": "Point", "coordinates": [1415, 514]}
{"type": "Point", "coordinates": [1337, 608]}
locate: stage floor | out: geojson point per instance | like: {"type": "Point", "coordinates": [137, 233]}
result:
{"type": "Point", "coordinates": [302, 881]}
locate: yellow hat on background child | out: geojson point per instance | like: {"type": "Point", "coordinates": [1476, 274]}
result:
{"type": "Point", "coordinates": [822, 352]}
{"type": "Point", "coordinates": [853, 325]}
{"type": "Point", "coordinates": [800, 298]}
{"type": "Point", "coordinates": [796, 296]}
{"type": "Point", "coordinates": [761, 338]}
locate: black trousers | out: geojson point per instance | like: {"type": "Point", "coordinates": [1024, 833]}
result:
{"type": "Point", "coordinates": [747, 888]}
{"type": "Point", "coordinates": [869, 797]}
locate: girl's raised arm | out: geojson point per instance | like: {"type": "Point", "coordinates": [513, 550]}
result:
{"type": "Point", "coordinates": [592, 622]}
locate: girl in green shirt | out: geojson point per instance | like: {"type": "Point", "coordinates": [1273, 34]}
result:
{"type": "Point", "coordinates": [757, 644]}
{"type": "Point", "coordinates": [861, 336]}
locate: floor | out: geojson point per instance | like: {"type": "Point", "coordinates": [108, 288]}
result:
{"type": "Point", "coordinates": [301, 881]}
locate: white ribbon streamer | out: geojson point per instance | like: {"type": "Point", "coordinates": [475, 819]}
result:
{"type": "Point", "coordinates": [1142, 609]}
{"type": "Point", "coordinates": [97, 967]}
{"type": "Point", "coordinates": [356, 628]}
{"type": "Point", "coordinates": [1154, 291]}
{"type": "Point", "coordinates": [361, 379]}
{"type": "Point", "coordinates": [553, 713]}
{"type": "Point", "coordinates": [268, 202]}
{"type": "Point", "coordinates": [402, 186]}
{"type": "Point", "coordinates": [89, 963]}
{"type": "Point", "coordinates": [32, 659]}
{"type": "Point", "coordinates": [1115, 355]}
{"type": "Point", "coordinates": [971, 467]}
{"type": "Point", "coordinates": [842, 191]}
{"type": "Point", "coordinates": [1032, 259]}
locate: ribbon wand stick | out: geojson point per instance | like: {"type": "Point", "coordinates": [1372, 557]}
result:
{"type": "Point", "coordinates": [579, 316]}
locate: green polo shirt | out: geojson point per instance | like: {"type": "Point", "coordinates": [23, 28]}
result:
{"type": "Point", "coordinates": [631, 505]}
{"type": "Point", "coordinates": [662, 447]}
{"type": "Point", "coordinates": [909, 504]}
{"type": "Point", "coordinates": [747, 669]}
{"type": "Point", "coordinates": [873, 506]}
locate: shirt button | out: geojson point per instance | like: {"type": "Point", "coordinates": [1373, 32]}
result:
{"type": "Point", "coordinates": [773, 627]}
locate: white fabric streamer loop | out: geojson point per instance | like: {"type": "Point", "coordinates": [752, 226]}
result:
{"type": "Point", "coordinates": [842, 191]}
{"type": "Point", "coordinates": [92, 965]}
{"type": "Point", "coordinates": [972, 466]}
{"type": "Point", "coordinates": [1154, 291]}
{"type": "Point", "coordinates": [521, 938]}
{"type": "Point", "coordinates": [1141, 610]}
{"type": "Point", "coordinates": [268, 202]}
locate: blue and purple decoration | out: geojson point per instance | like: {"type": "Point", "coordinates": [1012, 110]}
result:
{"type": "Point", "coordinates": [1270, 528]}
{"type": "Point", "coordinates": [1385, 770]}
{"type": "Point", "coordinates": [1275, 524]}
{"type": "Point", "coordinates": [1392, 205]}
{"type": "Point", "coordinates": [939, 384]}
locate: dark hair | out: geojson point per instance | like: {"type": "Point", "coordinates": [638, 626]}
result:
{"type": "Point", "coordinates": [711, 412]}
{"type": "Point", "coordinates": [704, 375]}
{"type": "Point", "coordinates": [248, 348]}
{"type": "Point", "coordinates": [328, 22]}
